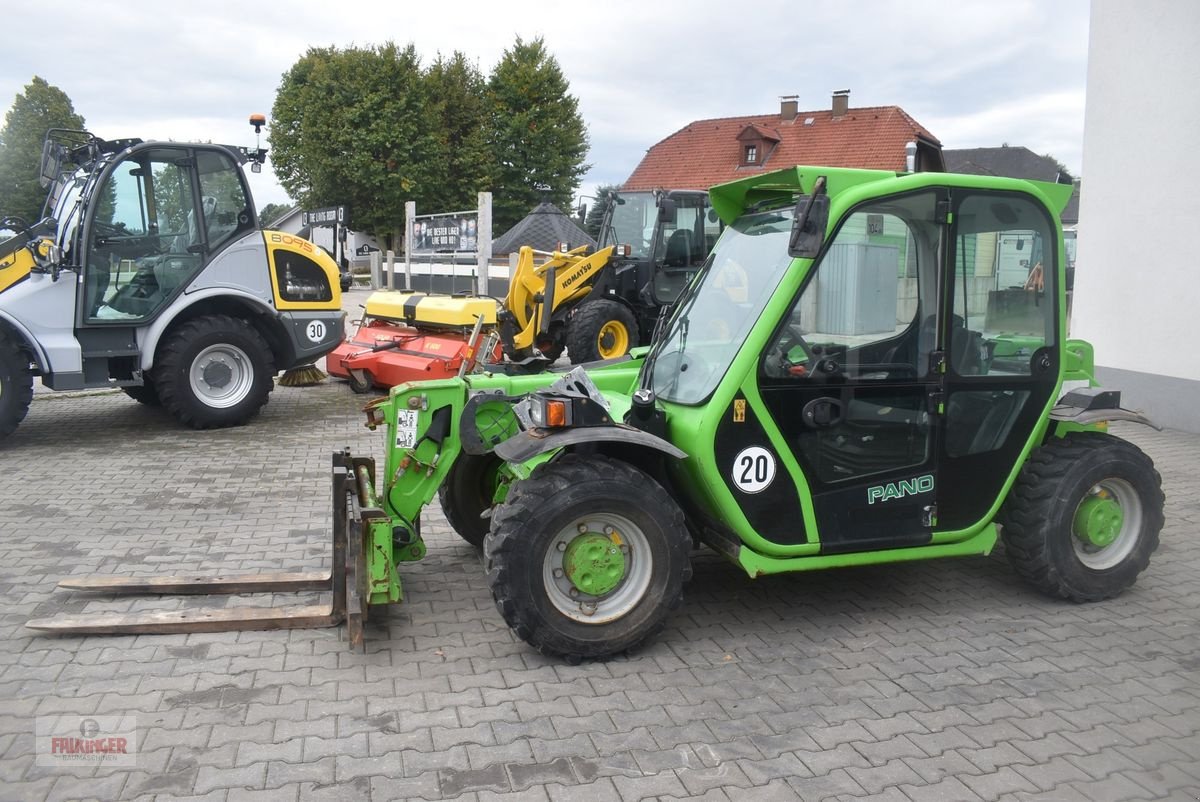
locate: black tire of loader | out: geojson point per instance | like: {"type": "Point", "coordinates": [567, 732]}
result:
{"type": "Point", "coordinates": [467, 493]}
{"type": "Point", "coordinates": [16, 386]}
{"type": "Point", "coordinates": [172, 372]}
{"type": "Point", "coordinates": [583, 330]}
{"type": "Point", "coordinates": [1038, 515]}
{"type": "Point", "coordinates": [525, 525]}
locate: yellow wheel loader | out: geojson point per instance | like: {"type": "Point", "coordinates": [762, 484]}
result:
{"type": "Point", "coordinates": [149, 273]}
{"type": "Point", "coordinates": [599, 306]}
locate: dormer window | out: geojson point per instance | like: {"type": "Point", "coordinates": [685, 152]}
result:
{"type": "Point", "coordinates": [756, 143]}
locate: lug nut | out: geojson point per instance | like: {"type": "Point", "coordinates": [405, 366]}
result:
{"type": "Point", "coordinates": [562, 546]}
{"type": "Point", "coordinates": [558, 573]}
{"type": "Point", "coordinates": [582, 528]}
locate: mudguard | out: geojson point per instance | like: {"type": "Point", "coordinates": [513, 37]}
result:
{"type": "Point", "coordinates": [530, 443]}
{"type": "Point", "coordinates": [1092, 405]}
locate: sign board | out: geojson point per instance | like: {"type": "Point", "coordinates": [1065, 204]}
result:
{"type": "Point", "coordinates": [365, 250]}
{"type": "Point", "coordinates": [325, 216]}
{"type": "Point", "coordinates": [445, 233]}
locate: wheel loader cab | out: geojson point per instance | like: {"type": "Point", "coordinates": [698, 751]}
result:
{"type": "Point", "coordinates": [163, 213]}
{"type": "Point", "coordinates": [879, 396]}
{"type": "Point", "coordinates": [669, 236]}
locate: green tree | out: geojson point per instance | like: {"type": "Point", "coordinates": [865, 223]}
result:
{"type": "Point", "coordinates": [353, 127]}
{"type": "Point", "coordinates": [600, 203]}
{"type": "Point", "coordinates": [272, 212]}
{"type": "Point", "coordinates": [39, 108]}
{"type": "Point", "coordinates": [458, 104]}
{"type": "Point", "coordinates": [538, 137]}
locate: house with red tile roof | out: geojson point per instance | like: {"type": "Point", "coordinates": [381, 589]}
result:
{"type": "Point", "coordinates": [708, 152]}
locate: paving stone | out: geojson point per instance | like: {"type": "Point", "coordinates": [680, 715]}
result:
{"type": "Point", "coordinates": [422, 786]}
{"type": "Point", "coordinates": [835, 783]}
{"type": "Point", "coordinates": [525, 775]}
{"type": "Point", "coordinates": [1004, 694]}
{"type": "Point", "coordinates": [997, 784]}
{"type": "Point", "coordinates": [601, 790]}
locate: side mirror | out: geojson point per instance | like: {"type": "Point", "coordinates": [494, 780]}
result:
{"type": "Point", "coordinates": [808, 229]}
{"type": "Point", "coordinates": [666, 211]}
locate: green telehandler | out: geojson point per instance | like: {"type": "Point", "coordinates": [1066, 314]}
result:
{"type": "Point", "coordinates": [845, 382]}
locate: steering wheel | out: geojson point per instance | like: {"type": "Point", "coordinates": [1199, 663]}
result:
{"type": "Point", "coordinates": [109, 230]}
{"type": "Point", "coordinates": [793, 336]}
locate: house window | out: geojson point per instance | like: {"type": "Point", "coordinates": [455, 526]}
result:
{"type": "Point", "coordinates": [751, 154]}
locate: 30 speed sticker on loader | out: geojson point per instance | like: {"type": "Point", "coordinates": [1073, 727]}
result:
{"type": "Point", "coordinates": [753, 469]}
{"type": "Point", "coordinates": [315, 331]}
{"type": "Point", "coordinates": [406, 428]}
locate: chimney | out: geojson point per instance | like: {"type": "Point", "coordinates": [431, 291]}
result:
{"type": "Point", "coordinates": [789, 107]}
{"type": "Point", "coordinates": [841, 102]}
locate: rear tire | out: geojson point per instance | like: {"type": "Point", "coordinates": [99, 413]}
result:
{"type": "Point", "coordinates": [1084, 517]}
{"type": "Point", "coordinates": [587, 557]}
{"type": "Point", "coordinates": [16, 386]}
{"type": "Point", "coordinates": [467, 494]}
{"type": "Point", "coordinates": [601, 329]}
{"type": "Point", "coordinates": [215, 371]}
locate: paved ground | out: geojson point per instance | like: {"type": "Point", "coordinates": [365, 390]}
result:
{"type": "Point", "coordinates": [945, 680]}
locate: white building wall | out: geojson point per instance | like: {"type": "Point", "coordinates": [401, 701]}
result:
{"type": "Point", "coordinates": [1137, 286]}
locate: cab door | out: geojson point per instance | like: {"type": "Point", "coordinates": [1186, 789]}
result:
{"type": "Point", "coordinates": [848, 377]}
{"type": "Point", "coordinates": [159, 216]}
{"type": "Point", "coordinates": [1003, 356]}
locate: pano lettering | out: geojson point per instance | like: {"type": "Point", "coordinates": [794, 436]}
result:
{"type": "Point", "coordinates": [895, 490]}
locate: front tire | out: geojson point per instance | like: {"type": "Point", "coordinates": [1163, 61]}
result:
{"type": "Point", "coordinates": [587, 557]}
{"type": "Point", "coordinates": [215, 371]}
{"type": "Point", "coordinates": [16, 386]}
{"type": "Point", "coordinates": [1084, 517]}
{"type": "Point", "coordinates": [601, 329]}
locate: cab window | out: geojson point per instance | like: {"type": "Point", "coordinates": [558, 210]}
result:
{"type": "Point", "coordinates": [867, 310]}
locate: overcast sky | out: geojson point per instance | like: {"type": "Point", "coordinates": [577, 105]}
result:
{"type": "Point", "coordinates": [974, 72]}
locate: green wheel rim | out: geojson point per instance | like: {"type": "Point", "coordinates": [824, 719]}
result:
{"type": "Point", "coordinates": [1107, 524]}
{"type": "Point", "coordinates": [597, 568]}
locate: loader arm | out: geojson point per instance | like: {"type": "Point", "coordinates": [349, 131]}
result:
{"type": "Point", "coordinates": [538, 290]}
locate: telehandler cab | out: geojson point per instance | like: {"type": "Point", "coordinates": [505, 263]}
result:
{"type": "Point", "coordinates": [148, 272]}
{"type": "Point", "coordinates": [845, 382]}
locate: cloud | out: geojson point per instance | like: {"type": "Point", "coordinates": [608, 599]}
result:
{"type": "Point", "coordinates": [974, 72]}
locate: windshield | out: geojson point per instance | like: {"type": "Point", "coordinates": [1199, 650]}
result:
{"type": "Point", "coordinates": [721, 306]}
{"type": "Point", "coordinates": [634, 216]}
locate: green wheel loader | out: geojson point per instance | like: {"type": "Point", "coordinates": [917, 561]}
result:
{"type": "Point", "coordinates": [846, 381]}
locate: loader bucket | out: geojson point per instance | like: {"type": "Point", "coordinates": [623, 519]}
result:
{"type": "Point", "coordinates": [348, 580]}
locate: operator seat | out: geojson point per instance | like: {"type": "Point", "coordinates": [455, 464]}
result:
{"type": "Point", "coordinates": [679, 249]}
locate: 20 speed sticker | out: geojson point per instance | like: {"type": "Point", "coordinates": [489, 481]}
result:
{"type": "Point", "coordinates": [753, 469]}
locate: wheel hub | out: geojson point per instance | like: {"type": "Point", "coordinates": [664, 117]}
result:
{"type": "Point", "coordinates": [594, 564]}
{"type": "Point", "coordinates": [217, 374]}
{"type": "Point", "coordinates": [1098, 521]}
